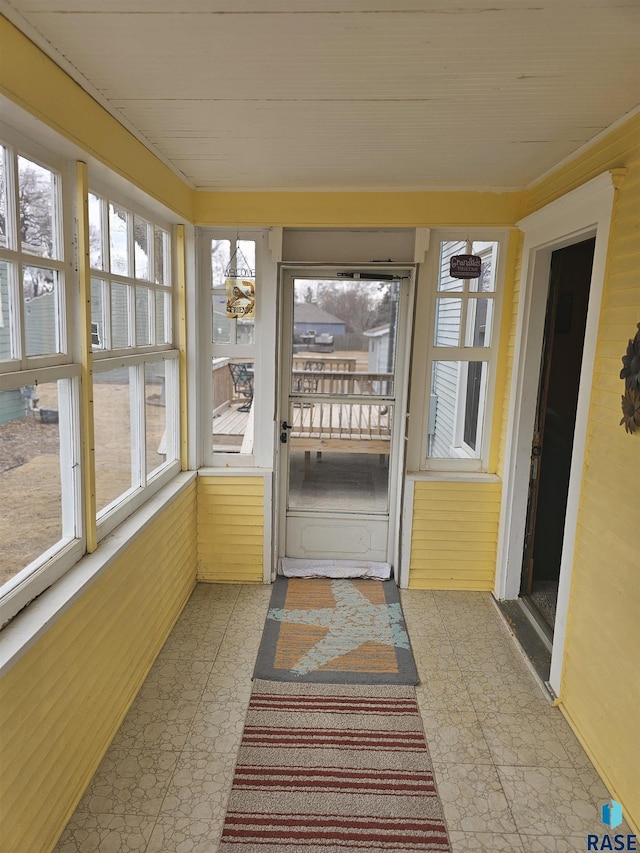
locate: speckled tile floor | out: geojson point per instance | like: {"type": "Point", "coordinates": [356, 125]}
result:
{"type": "Point", "coordinates": [511, 775]}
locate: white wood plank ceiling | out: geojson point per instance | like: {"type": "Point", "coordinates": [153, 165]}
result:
{"type": "Point", "coordinates": [351, 94]}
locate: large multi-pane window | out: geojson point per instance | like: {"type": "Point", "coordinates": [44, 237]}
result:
{"type": "Point", "coordinates": [461, 356]}
{"type": "Point", "coordinates": [40, 516]}
{"type": "Point", "coordinates": [134, 395]}
{"type": "Point", "coordinates": [135, 363]}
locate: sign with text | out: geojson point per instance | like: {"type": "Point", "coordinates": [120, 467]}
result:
{"type": "Point", "coordinates": [465, 266]}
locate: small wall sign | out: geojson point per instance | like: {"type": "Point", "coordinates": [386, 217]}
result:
{"type": "Point", "coordinates": [465, 266]}
{"type": "Point", "coordinates": [241, 298]}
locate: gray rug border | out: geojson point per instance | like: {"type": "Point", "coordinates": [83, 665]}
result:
{"type": "Point", "coordinates": [407, 674]}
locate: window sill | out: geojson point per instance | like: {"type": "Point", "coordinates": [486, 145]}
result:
{"type": "Point", "coordinates": [37, 618]}
{"type": "Point", "coordinates": [453, 477]}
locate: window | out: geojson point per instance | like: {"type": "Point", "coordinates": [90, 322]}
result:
{"type": "Point", "coordinates": [135, 365]}
{"type": "Point", "coordinates": [233, 273]}
{"type": "Point", "coordinates": [40, 522]}
{"type": "Point", "coordinates": [461, 358]}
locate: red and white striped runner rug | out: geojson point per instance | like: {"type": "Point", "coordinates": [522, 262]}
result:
{"type": "Point", "coordinates": [332, 768]}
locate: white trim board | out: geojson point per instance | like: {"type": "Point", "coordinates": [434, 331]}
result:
{"type": "Point", "coordinates": [583, 213]}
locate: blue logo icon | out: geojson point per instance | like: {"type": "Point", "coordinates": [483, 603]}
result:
{"type": "Point", "coordinates": [612, 814]}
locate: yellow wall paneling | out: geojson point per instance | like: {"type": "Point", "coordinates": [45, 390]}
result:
{"type": "Point", "coordinates": [231, 524]}
{"type": "Point", "coordinates": [454, 534]}
{"type": "Point", "coordinates": [64, 699]}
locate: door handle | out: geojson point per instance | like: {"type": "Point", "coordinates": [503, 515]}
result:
{"type": "Point", "coordinates": [285, 425]}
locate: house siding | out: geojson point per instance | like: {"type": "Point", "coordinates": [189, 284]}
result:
{"type": "Point", "coordinates": [231, 529]}
{"type": "Point", "coordinates": [600, 690]}
{"type": "Point", "coordinates": [454, 535]}
{"type": "Point", "coordinates": [64, 700]}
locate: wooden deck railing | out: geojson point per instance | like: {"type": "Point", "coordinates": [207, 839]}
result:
{"type": "Point", "coordinates": [342, 427]}
{"type": "Point", "coordinates": [341, 382]}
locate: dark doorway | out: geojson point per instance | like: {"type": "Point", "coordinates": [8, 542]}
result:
{"type": "Point", "coordinates": [554, 427]}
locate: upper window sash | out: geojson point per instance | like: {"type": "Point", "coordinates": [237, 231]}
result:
{"type": "Point", "coordinates": [461, 357]}
{"type": "Point", "coordinates": [34, 266]}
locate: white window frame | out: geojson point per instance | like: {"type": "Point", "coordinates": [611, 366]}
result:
{"type": "Point", "coordinates": [135, 358]}
{"type": "Point", "coordinates": [463, 458]}
{"type": "Point", "coordinates": [144, 486]}
{"type": "Point", "coordinates": [23, 370]}
{"type": "Point", "coordinates": [19, 258]}
{"type": "Point", "coordinates": [262, 351]}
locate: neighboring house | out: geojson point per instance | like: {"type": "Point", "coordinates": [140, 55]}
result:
{"type": "Point", "coordinates": [311, 318]}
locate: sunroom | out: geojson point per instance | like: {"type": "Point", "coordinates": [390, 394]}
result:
{"type": "Point", "coordinates": [200, 380]}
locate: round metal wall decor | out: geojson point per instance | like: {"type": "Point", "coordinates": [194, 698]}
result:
{"type": "Point", "coordinates": [631, 374]}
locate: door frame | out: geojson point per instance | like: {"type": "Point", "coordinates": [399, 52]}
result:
{"type": "Point", "coordinates": [580, 214]}
{"type": "Point", "coordinates": [397, 456]}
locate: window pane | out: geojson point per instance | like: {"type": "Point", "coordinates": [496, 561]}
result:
{"type": "Point", "coordinates": [112, 417]}
{"type": "Point", "coordinates": [163, 317]}
{"type": "Point", "coordinates": [245, 260]}
{"type": "Point", "coordinates": [221, 323]}
{"type": "Point", "coordinates": [473, 394]}
{"type": "Point", "coordinates": [5, 315]}
{"type": "Point", "coordinates": [338, 482]}
{"type": "Point", "coordinates": [479, 317]}
{"type": "Point", "coordinates": [95, 232]}
{"type": "Point", "coordinates": [233, 383]}
{"type": "Point", "coordinates": [448, 318]}
{"type": "Point", "coordinates": [155, 415]}
{"type": "Point", "coordinates": [161, 256]}
{"type": "Point", "coordinates": [30, 475]}
{"type": "Point", "coordinates": [119, 239]}
{"type": "Point", "coordinates": [486, 283]}
{"type": "Point", "coordinates": [141, 230]}
{"type": "Point", "coordinates": [220, 257]}
{"type": "Point", "coordinates": [456, 413]}
{"type": "Point", "coordinates": [41, 311]}
{"type": "Point", "coordinates": [36, 188]}
{"type": "Point", "coordinates": [3, 197]}
{"type": "Point", "coordinates": [143, 316]}
{"type": "Point", "coordinates": [119, 316]}
{"type": "Point", "coordinates": [245, 331]}
{"type": "Point", "coordinates": [98, 324]}
{"type": "Point", "coordinates": [448, 249]}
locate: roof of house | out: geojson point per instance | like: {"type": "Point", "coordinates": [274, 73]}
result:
{"type": "Point", "coordinates": [309, 312]}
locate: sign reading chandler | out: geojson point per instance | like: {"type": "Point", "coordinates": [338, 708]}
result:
{"type": "Point", "coordinates": [465, 266]}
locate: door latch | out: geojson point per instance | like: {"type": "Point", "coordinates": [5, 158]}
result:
{"type": "Point", "coordinates": [283, 434]}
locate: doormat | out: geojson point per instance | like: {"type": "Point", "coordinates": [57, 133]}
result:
{"type": "Point", "coordinates": [335, 632]}
{"type": "Point", "coordinates": [294, 567]}
{"type": "Point", "coordinates": [329, 768]}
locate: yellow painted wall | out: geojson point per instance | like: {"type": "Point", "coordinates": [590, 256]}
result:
{"type": "Point", "coordinates": [600, 691]}
{"type": "Point", "coordinates": [358, 209]}
{"type": "Point", "coordinates": [455, 535]}
{"type": "Point", "coordinates": [230, 529]}
{"type": "Point", "coordinates": [33, 81]}
{"type": "Point", "coordinates": [63, 701]}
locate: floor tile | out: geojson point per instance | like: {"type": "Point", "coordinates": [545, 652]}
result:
{"type": "Point", "coordinates": [183, 835]}
{"type": "Point", "coordinates": [485, 842]}
{"type": "Point", "coordinates": [473, 799]}
{"type": "Point", "coordinates": [163, 723]}
{"type": "Point", "coordinates": [176, 680]}
{"type": "Point", "coordinates": [130, 781]}
{"type": "Point", "coordinates": [442, 690]}
{"type": "Point", "coordinates": [106, 833]}
{"type": "Point", "coordinates": [200, 787]}
{"type": "Point", "coordinates": [520, 693]}
{"type": "Point", "coordinates": [527, 740]}
{"type": "Point", "coordinates": [455, 737]}
{"type": "Point", "coordinates": [216, 727]}
{"type": "Point", "coordinates": [557, 801]}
